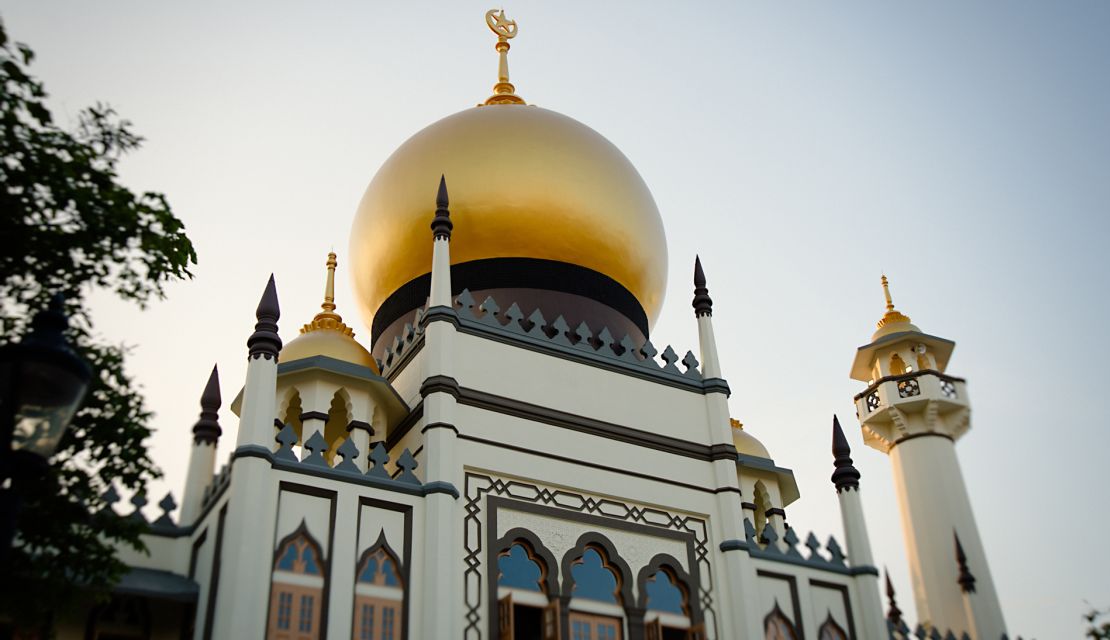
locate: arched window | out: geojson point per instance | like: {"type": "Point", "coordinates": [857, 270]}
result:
{"type": "Point", "coordinates": [776, 626]}
{"type": "Point", "coordinates": [923, 361]}
{"type": "Point", "coordinates": [597, 603]}
{"type": "Point", "coordinates": [379, 595]}
{"type": "Point", "coordinates": [898, 365]}
{"type": "Point", "coordinates": [297, 588]}
{"type": "Point", "coordinates": [762, 505]}
{"type": "Point", "coordinates": [335, 429]}
{"type": "Point", "coordinates": [830, 630]}
{"type": "Point", "coordinates": [525, 585]}
{"type": "Point", "coordinates": [665, 597]}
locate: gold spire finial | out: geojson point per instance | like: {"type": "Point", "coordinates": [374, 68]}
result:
{"type": "Point", "coordinates": [892, 314]}
{"type": "Point", "coordinates": [328, 319]}
{"type": "Point", "coordinates": [503, 92]}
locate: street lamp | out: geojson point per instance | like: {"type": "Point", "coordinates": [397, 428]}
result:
{"type": "Point", "coordinates": [42, 384]}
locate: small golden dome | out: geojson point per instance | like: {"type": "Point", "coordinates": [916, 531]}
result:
{"type": "Point", "coordinates": [893, 321]}
{"type": "Point", "coordinates": [326, 335]}
{"type": "Point", "coordinates": [524, 182]}
{"type": "Point", "coordinates": [746, 443]}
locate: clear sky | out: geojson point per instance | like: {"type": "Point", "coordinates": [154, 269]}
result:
{"type": "Point", "coordinates": [799, 147]}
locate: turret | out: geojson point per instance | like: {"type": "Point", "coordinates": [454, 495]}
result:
{"type": "Point", "coordinates": [703, 311]}
{"type": "Point", "coordinates": [202, 456]}
{"type": "Point", "coordinates": [914, 411]}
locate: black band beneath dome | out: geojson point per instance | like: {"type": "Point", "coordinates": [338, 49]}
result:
{"type": "Point", "coordinates": [510, 273]}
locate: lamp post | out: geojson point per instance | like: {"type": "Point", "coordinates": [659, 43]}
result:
{"type": "Point", "coordinates": [42, 384]}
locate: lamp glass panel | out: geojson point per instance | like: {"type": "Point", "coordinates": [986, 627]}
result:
{"type": "Point", "coordinates": [48, 397]}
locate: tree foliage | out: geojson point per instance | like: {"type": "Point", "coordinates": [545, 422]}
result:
{"type": "Point", "coordinates": [67, 225]}
{"type": "Point", "coordinates": [1098, 627]}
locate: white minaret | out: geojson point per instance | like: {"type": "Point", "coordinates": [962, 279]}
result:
{"type": "Point", "coordinates": [248, 525]}
{"type": "Point", "coordinates": [846, 480]}
{"type": "Point", "coordinates": [745, 620]}
{"type": "Point", "coordinates": [442, 568]}
{"type": "Point", "coordinates": [914, 412]}
{"type": "Point", "coordinates": [202, 457]}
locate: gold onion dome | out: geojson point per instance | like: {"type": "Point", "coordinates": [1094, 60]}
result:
{"type": "Point", "coordinates": [526, 184]}
{"type": "Point", "coordinates": [893, 321]}
{"type": "Point", "coordinates": [746, 443]}
{"type": "Point", "coordinates": [326, 335]}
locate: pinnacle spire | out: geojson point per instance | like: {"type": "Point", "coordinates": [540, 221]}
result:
{"type": "Point", "coordinates": [265, 341]}
{"type": "Point", "coordinates": [703, 304]}
{"type": "Point", "coordinates": [965, 580]}
{"type": "Point", "coordinates": [892, 314]}
{"type": "Point", "coordinates": [893, 614]}
{"type": "Point", "coordinates": [441, 223]}
{"type": "Point", "coordinates": [846, 476]}
{"type": "Point", "coordinates": [328, 318]}
{"type": "Point", "coordinates": [503, 92]}
{"type": "Point", "coordinates": [207, 429]}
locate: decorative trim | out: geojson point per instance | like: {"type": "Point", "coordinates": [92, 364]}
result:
{"type": "Point", "coordinates": [922, 435]}
{"type": "Point", "coordinates": [567, 505]}
{"type": "Point", "coordinates": [194, 553]}
{"type": "Point", "coordinates": [406, 511]}
{"type": "Point", "coordinates": [908, 376]}
{"type": "Point", "coordinates": [214, 576]}
{"type": "Point", "coordinates": [592, 465]}
{"type": "Point", "coordinates": [439, 486]}
{"type": "Point", "coordinates": [658, 563]}
{"type": "Point", "coordinates": [790, 580]}
{"type": "Point", "coordinates": [315, 492]}
{"type": "Point", "coordinates": [582, 424]}
{"type": "Point", "coordinates": [402, 429]}
{"type": "Point", "coordinates": [359, 424]}
{"type": "Point", "coordinates": [733, 545]}
{"type": "Point", "coordinates": [439, 384]}
{"type": "Point", "coordinates": [440, 425]}
{"type": "Point", "coordinates": [775, 511]}
{"type": "Point", "coordinates": [314, 415]}
{"type": "Point", "coordinates": [749, 506]}
{"type": "Point", "coordinates": [550, 576]}
{"type": "Point", "coordinates": [843, 589]}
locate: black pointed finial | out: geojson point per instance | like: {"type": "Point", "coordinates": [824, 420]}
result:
{"type": "Point", "coordinates": [966, 580]}
{"type": "Point", "coordinates": [265, 342]}
{"type": "Point", "coordinates": [207, 429]}
{"type": "Point", "coordinates": [893, 614]}
{"type": "Point", "coordinates": [703, 304]}
{"type": "Point", "coordinates": [441, 224]}
{"type": "Point", "coordinates": [846, 476]}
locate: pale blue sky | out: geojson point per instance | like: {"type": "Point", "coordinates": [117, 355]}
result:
{"type": "Point", "coordinates": [800, 148]}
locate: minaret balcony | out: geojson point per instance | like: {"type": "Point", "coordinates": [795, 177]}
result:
{"type": "Point", "coordinates": [926, 402]}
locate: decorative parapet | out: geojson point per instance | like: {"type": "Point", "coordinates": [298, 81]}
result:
{"type": "Point", "coordinates": [314, 461]}
{"type": "Point", "coordinates": [901, 631]}
{"type": "Point", "coordinates": [162, 526]}
{"type": "Point", "coordinates": [557, 336]}
{"type": "Point", "coordinates": [765, 545]}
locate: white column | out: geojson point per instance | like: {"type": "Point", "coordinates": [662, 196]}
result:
{"type": "Point", "coordinates": [202, 467]}
{"type": "Point", "coordinates": [934, 504]}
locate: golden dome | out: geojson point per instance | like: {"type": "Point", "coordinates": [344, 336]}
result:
{"type": "Point", "coordinates": [746, 443]}
{"type": "Point", "coordinates": [524, 182]}
{"type": "Point", "coordinates": [326, 335]}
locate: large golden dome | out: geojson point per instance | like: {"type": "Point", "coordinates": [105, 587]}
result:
{"type": "Point", "coordinates": [524, 182]}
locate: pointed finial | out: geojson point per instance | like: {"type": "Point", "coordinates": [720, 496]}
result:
{"type": "Point", "coordinates": [503, 92]}
{"type": "Point", "coordinates": [328, 319]}
{"type": "Point", "coordinates": [703, 304]}
{"type": "Point", "coordinates": [441, 223]}
{"type": "Point", "coordinates": [265, 342]}
{"type": "Point", "coordinates": [893, 614]}
{"type": "Point", "coordinates": [891, 315]}
{"type": "Point", "coordinates": [846, 476]}
{"type": "Point", "coordinates": [207, 429]}
{"type": "Point", "coordinates": [965, 580]}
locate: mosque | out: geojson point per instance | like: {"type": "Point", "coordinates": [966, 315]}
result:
{"type": "Point", "coordinates": [507, 454]}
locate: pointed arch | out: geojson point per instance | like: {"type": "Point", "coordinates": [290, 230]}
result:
{"type": "Point", "coordinates": [381, 589]}
{"type": "Point", "coordinates": [289, 412]}
{"type": "Point", "coordinates": [762, 506]}
{"type": "Point", "coordinates": [897, 365]}
{"type": "Point", "coordinates": [776, 626]}
{"type": "Point", "coordinates": [672, 569]}
{"type": "Point", "coordinates": [297, 581]}
{"type": "Point", "coordinates": [340, 414]}
{"type": "Point", "coordinates": [830, 630]}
